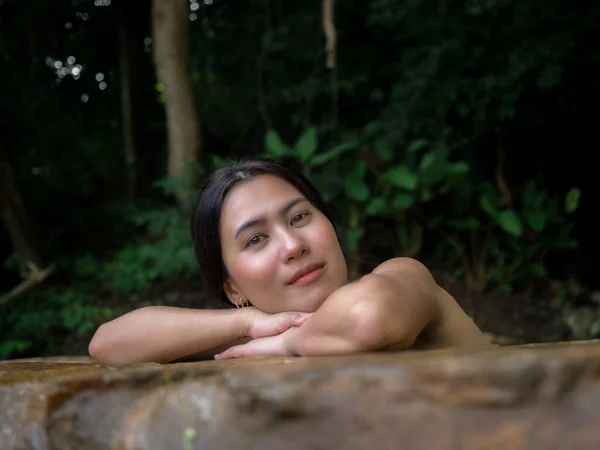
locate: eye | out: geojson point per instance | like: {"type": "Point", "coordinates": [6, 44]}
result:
{"type": "Point", "coordinates": [298, 217]}
{"type": "Point", "coordinates": [255, 240]}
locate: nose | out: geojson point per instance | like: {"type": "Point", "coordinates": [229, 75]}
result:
{"type": "Point", "coordinates": [292, 246]}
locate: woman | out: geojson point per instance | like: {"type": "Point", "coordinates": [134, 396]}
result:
{"type": "Point", "coordinates": [266, 243]}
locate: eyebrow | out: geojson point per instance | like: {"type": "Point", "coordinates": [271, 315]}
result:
{"type": "Point", "coordinates": [260, 220]}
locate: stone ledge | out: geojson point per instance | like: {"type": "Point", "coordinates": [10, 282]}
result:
{"type": "Point", "coordinates": [544, 396]}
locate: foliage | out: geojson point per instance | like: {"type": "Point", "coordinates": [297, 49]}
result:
{"type": "Point", "coordinates": [507, 245]}
{"type": "Point", "coordinates": [166, 251]}
{"type": "Point", "coordinates": [504, 246]}
{"type": "Point", "coordinates": [41, 319]}
{"type": "Point", "coordinates": [457, 129]}
{"type": "Point", "coordinates": [36, 318]}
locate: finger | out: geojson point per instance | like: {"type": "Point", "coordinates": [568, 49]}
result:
{"type": "Point", "coordinates": [297, 319]}
{"type": "Point", "coordinates": [236, 351]}
{"type": "Point", "coordinates": [287, 321]}
{"type": "Point", "coordinates": [305, 316]}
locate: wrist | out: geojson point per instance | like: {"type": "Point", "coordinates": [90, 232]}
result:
{"type": "Point", "coordinates": [245, 319]}
{"type": "Point", "coordinates": [290, 339]}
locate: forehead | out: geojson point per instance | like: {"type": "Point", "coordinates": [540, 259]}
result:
{"type": "Point", "coordinates": [262, 195]}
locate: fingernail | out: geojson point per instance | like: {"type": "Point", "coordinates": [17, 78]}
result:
{"type": "Point", "coordinates": [217, 355]}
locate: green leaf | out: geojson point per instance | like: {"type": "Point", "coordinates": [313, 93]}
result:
{"type": "Point", "coordinates": [566, 244]}
{"type": "Point", "coordinates": [416, 145]}
{"type": "Point", "coordinates": [510, 222]}
{"type": "Point", "coordinates": [354, 183]}
{"type": "Point", "coordinates": [458, 273]}
{"type": "Point", "coordinates": [488, 204]}
{"type": "Point", "coordinates": [539, 270]}
{"type": "Point", "coordinates": [402, 177]}
{"type": "Point", "coordinates": [458, 168]}
{"type": "Point", "coordinates": [435, 174]}
{"type": "Point", "coordinates": [535, 219]}
{"type": "Point", "coordinates": [531, 197]}
{"type": "Point", "coordinates": [427, 161]}
{"type": "Point", "coordinates": [307, 144]}
{"type": "Point", "coordinates": [357, 190]}
{"type": "Point", "coordinates": [384, 150]}
{"type": "Point", "coordinates": [275, 146]}
{"type": "Point", "coordinates": [572, 199]}
{"type": "Point", "coordinates": [403, 200]}
{"type": "Point", "coordinates": [325, 157]}
{"type": "Point", "coordinates": [376, 207]}
{"type": "Point", "coordinates": [353, 236]}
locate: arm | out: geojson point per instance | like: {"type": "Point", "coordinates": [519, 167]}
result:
{"type": "Point", "coordinates": [390, 306]}
{"type": "Point", "coordinates": [163, 334]}
{"type": "Point", "coordinates": [387, 308]}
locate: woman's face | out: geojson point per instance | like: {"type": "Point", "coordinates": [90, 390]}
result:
{"type": "Point", "coordinates": [281, 253]}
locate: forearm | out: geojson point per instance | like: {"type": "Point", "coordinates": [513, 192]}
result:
{"type": "Point", "coordinates": [377, 312]}
{"type": "Point", "coordinates": [163, 334]}
{"type": "Point", "coordinates": [343, 324]}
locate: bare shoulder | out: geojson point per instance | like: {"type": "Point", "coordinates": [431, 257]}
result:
{"type": "Point", "coordinates": [441, 321]}
{"type": "Point", "coordinates": [412, 277]}
{"type": "Point", "coordinates": [401, 264]}
{"type": "Point", "coordinates": [407, 295]}
{"type": "Point", "coordinates": [407, 269]}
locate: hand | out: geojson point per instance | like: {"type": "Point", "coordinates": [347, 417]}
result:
{"type": "Point", "coordinates": [266, 346]}
{"type": "Point", "coordinates": [262, 324]}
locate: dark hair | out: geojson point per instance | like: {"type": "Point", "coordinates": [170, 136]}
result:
{"type": "Point", "coordinates": [206, 213]}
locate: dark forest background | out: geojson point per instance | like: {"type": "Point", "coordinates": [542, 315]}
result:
{"type": "Point", "coordinates": [460, 133]}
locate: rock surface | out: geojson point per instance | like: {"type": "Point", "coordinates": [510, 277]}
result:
{"type": "Point", "coordinates": [507, 398]}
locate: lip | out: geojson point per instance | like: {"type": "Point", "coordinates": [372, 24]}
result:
{"type": "Point", "coordinates": [307, 274]}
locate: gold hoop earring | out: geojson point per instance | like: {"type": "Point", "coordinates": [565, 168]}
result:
{"type": "Point", "coordinates": [241, 303]}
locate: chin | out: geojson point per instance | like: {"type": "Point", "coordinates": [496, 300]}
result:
{"type": "Point", "coordinates": [312, 302]}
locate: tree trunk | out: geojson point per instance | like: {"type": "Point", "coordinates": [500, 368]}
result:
{"type": "Point", "coordinates": [126, 113]}
{"type": "Point", "coordinates": [170, 28]}
{"type": "Point", "coordinates": [14, 216]}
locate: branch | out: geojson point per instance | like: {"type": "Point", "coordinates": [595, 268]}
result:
{"type": "Point", "coordinates": [330, 34]}
{"type": "Point", "coordinates": [34, 277]}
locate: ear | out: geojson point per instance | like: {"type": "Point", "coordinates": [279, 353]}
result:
{"type": "Point", "coordinates": [232, 291]}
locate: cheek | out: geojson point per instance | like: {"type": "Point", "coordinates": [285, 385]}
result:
{"type": "Point", "coordinates": [254, 269]}
{"type": "Point", "coordinates": [326, 238]}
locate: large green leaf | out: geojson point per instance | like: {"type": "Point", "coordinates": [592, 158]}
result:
{"type": "Point", "coordinates": [535, 219]}
{"type": "Point", "coordinates": [383, 149]}
{"type": "Point", "coordinates": [427, 161]}
{"type": "Point", "coordinates": [457, 168]}
{"type": "Point", "coordinates": [357, 190]}
{"type": "Point", "coordinates": [416, 145]}
{"type": "Point", "coordinates": [275, 146]}
{"type": "Point", "coordinates": [403, 200]}
{"type": "Point", "coordinates": [307, 144]}
{"type": "Point", "coordinates": [531, 196]}
{"type": "Point", "coordinates": [354, 183]}
{"type": "Point", "coordinates": [376, 207]}
{"type": "Point", "coordinates": [325, 157]}
{"type": "Point", "coordinates": [401, 176]}
{"type": "Point", "coordinates": [353, 236]}
{"type": "Point", "coordinates": [572, 199]}
{"type": "Point", "coordinates": [488, 204]}
{"type": "Point", "coordinates": [510, 222]}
